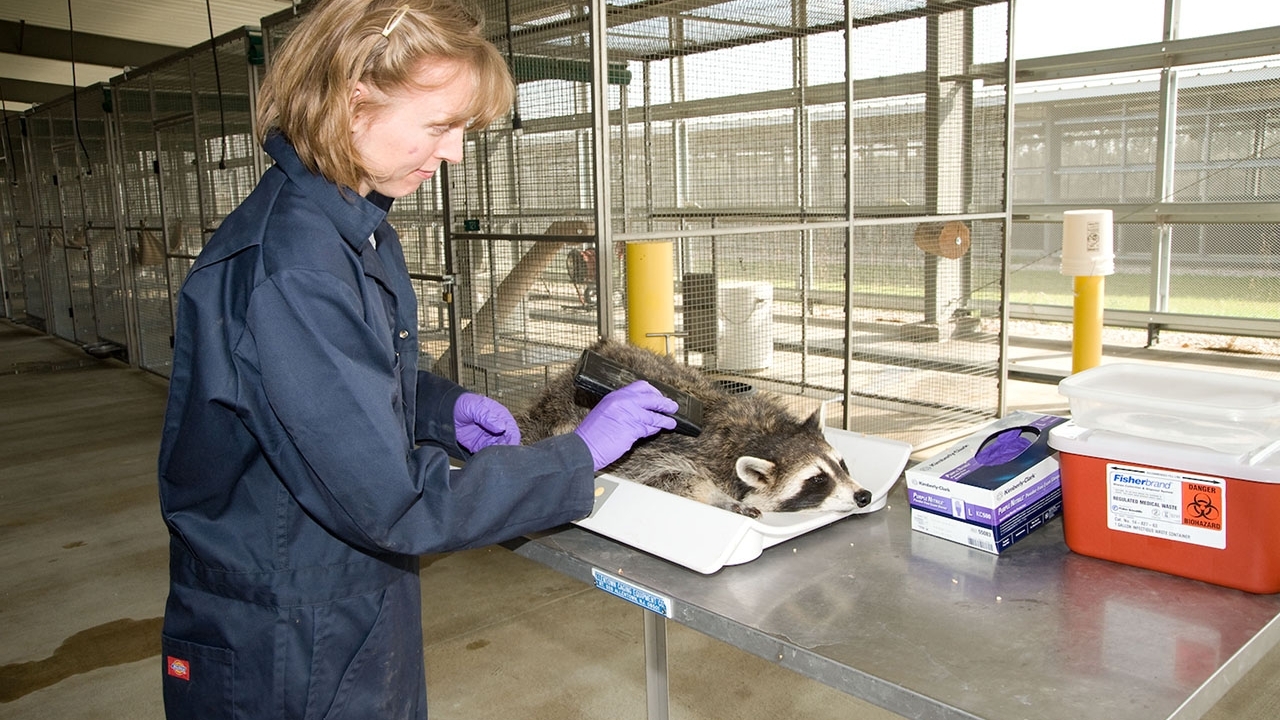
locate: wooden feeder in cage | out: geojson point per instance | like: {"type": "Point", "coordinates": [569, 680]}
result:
{"type": "Point", "coordinates": [949, 240]}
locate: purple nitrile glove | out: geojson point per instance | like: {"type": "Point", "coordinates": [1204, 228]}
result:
{"type": "Point", "coordinates": [1005, 446]}
{"type": "Point", "coordinates": [480, 422]}
{"type": "Point", "coordinates": [621, 418]}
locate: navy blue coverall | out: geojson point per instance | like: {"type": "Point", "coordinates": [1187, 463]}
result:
{"type": "Point", "coordinates": [304, 466]}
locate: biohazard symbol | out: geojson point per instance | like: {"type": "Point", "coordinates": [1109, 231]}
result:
{"type": "Point", "coordinates": [1201, 510]}
{"type": "Point", "coordinates": [1201, 507]}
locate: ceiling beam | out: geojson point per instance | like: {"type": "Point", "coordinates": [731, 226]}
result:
{"type": "Point", "coordinates": [29, 91]}
{"type": "Point", "coordinates": [20, 38]}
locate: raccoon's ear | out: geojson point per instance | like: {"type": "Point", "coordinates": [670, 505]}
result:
{"type": "Point", "coordinates": [754, 471]}
{"type": "Point", "coordinates": [815, 421]}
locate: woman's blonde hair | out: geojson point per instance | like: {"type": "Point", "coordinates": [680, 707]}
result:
{"type": "Point", "coordinates": [307, 92]}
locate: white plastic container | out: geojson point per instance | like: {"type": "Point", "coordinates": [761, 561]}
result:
{"type": "Point", "coordinates": [746, 326]}
{"type": "Point", "coordinates": [1233, 414]}
{"type": "Point", "coordinates": [1087, 243]}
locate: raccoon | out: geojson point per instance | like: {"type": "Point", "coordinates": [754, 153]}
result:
{"type": "Point", "coordinates": [752, 456]}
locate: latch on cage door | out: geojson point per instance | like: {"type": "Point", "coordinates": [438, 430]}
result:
{"type": "Point", "coordinates": [446, 288]}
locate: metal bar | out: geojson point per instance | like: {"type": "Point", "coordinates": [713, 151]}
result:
{"type": "Point", "coordinates": [446, 197]}
{"type": "Point", "coordinates": [602, 154]}
{"type": "Point", "coordinates": [524, 237]}
{"type": "Point", "coordinates": [790, 227]}
{"type": "Point", "coordinates": [868, 89]}
{"type": "Point", "coordinates": [1002, 358]}
{"type": "Point", "coordinates": [1215, 324]}
{"type": "Point", "coordinates": [1185, 213]}
{"type": "Point", "coordinates": [804, 175]}
{"type": "Point", "coordinates": [655, 666]}
{"type": "Point", "coordinates": [850, 166]}
{"type": "Point", "coordinates": [1153, 56]}
{"type": "Point", "coordinates": [1166, 152]}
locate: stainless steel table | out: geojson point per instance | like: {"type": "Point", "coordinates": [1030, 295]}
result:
{"type": "Point", "coordinates": [927, 628]}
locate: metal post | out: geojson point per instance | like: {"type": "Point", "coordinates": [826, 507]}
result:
{"type": "Point", "coordinates": [450, 273]}
{"type": "Point", "coordinates": [603, 166]}
{"type": "Point", "coordinates": [1166, 148]}
{"type": "Point", "coordinates": [946, 111]}
{"type": "Point", "coordinates": [655, 666]}
{"type": "Point", "coordinates": [803, 141]}
{"type": "Point", "coordinates": [128, 281]}
{"type": "Point", "coordinates": [846, 416]}
{"type": "Point", "coordinates": [1002, 373]}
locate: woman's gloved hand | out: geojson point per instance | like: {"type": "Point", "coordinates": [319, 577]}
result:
{"type": "Point", "coordinates": [480, 422]}
{"type": "Point", "coordinates": [621, 418]}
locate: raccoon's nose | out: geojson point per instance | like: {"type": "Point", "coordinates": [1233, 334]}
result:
{"type": "Point", "coordinates": [862, 497]}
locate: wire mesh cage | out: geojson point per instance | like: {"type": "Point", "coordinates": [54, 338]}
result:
{"type": "Point", "coordinates": [276, 27]}
{"type": "Point", "coordinates": [522, 237]}
{"type": "Point", "coordinates": [107, 251]}
{"type": "Point", "coordinates": [825, 182]}
{"type": "Point", "coordinates": [15, 186]}
{"type": "Point", "coordinates": [188, 156]}
{"type": "Point", "coordinates": [735, 135]}
{"type": "Point", "coordinates": [45, 140]}
{"type": "Point", "coordinates": [1193, 234]}
{"type": "Point", "coordinates": [30, 268]}
{"type": "Point", "coordinates": [1228, 125]}
{"type": "Point", "coordinates": [79, 214]}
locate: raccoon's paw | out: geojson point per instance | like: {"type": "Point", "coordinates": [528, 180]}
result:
{"type": "Point", "coordinates": [718, 498]}
{"type": "Point", "coordinates": [742, 509]}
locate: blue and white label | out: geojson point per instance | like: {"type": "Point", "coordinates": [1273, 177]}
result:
{"type": "Point", "coordinates": [632, 593]}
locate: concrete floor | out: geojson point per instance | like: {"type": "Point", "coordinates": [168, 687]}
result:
{"type": "Point", "coordinates": [83, 579]}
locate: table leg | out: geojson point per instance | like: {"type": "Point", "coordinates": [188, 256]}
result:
{"type": "Point", "coordinates": [655, 665]}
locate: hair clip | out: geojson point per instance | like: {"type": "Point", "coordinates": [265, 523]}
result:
{"type": "Point", "coordinates": [395, 20]}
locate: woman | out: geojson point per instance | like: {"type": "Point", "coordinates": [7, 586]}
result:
{"type": "Point", "coordinates": [304, 463]}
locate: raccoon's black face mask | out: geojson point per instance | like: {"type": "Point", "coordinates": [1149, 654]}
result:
{"type": "Point", "coordinates": [817, 489]}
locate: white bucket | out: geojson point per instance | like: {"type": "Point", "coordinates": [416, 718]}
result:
{"type": "Point", "coordinates": [1088, 246]}
{"type": "Point", "coordinates": [746, 325]}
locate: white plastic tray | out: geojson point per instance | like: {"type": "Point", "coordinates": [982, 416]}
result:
{"type": "Point", "coordinates": [705, 538]}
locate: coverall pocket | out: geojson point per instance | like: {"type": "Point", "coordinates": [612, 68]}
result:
{"type": "Point", "coordinates": [383, 678]}
{"type": "Point", "coordinates": [198, 680]}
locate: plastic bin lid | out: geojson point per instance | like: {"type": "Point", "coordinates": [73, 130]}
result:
{"type": "Point", "coordinates": [1178, 391]}
{"type": "Point", "coordinates": [1260, 466]}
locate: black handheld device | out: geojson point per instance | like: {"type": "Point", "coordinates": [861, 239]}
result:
{"type": "Point", "coordinates": [599, 376]}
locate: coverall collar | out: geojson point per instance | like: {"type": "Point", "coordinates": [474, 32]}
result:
{"type": "Point", "coordinates": [355, 217]}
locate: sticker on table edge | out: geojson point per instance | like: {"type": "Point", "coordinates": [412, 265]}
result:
{"type": "Point", "coordinates": [632, 593]}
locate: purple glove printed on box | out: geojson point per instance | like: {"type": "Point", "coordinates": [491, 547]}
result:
{"type": "Point", "coordinates": [621, 418]}
{"type": "Point", "coordinates": [480, 422]}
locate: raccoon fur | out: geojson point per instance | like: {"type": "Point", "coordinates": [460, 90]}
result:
{"type": "Point", "coordinates": [752, 456]}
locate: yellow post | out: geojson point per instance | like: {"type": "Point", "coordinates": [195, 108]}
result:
{"type": "Point", "coordinates": [1088, 256]}
{"type": "Point", "coordinates": [651, 307]}
{"type": "Point", "coordinates": [1086, 333]}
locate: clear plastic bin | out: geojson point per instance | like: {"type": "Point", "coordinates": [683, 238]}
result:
{"type": "Point", "coordinates": [1234, 414]}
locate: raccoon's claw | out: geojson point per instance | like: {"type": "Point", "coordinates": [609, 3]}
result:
{"type": "Point", "coordinates": [744, 510]}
